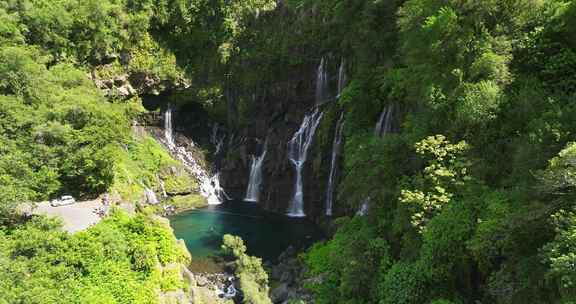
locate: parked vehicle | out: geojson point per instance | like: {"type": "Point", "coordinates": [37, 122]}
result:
{"type": "Point", "coordinates": [62, 201]}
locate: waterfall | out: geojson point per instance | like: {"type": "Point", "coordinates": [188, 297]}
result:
{"type": "Point", "coordinates": [214, 134]}
{"type": "Point", "coordinates": [297, 153]}
{"type": "Point", "coordinates": [217, 138]}
{"type": "Point", "coordinates": [219, 145]}
{"type": "Point", "coordinates": [162, 186]}
{"type": "Point", "coordinates": [342, 79]}
{"type": "Point", "coordinates": [332, 179]}
{"type": "Point", "coordinates": [151, 197]}
{"type": "Point", "coordinates": [364, 208]}
{"type": "Point", "coordinates": [322, 82]}
{"type": "Point", "coordinates": [253, 191]}
{"type": "Point", "coordinates": [209, 185]}
{"type": "Point", "coordinates": [168, 127]}
{"type": "Point", "coordinates": [217, 191]}
{"type": "Point", "coordinates": [384, 125]}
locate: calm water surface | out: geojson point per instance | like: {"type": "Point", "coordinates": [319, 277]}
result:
{"type": "Point", "coordinates": [266, 234]}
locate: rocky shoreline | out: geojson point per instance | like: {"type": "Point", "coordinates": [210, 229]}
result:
{"type": "Point", "coordinates": [287, 277]}
{"type": "Point", "coordinates": [214, 288]}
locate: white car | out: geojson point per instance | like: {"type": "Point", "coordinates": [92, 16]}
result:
{"type": "Point", "coordinates": [62, 201]}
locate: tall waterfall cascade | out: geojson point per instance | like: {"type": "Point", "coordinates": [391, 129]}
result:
{"type": "Point", "coordinates": [322, 94]}
{"type": "Point", "coordinates": [168, 131]}
{"type": "Point", "coordinates": [209, 185]}
{"type": "Point", "coordinates": [297, 153]}
{"type": "Point", "coordinates": [342, 77]}
{"type": "Point", "coordinates": [384, 125]}
{"type": "Point", "coordinates": [334, 168]}
{"type": "Point", "coordinates": [255, 181]}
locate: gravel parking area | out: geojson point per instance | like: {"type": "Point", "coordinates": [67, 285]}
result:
{"type": "Point", "coordinates": [76, 217]}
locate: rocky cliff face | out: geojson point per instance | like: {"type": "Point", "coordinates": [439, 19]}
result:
{"type": "Point", "coordinates": [276, 116]}
{"type": "Point", "coordinates": [120, 84]}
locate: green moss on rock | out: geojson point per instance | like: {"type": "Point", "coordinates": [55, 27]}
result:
{"type": "Point", "coordinates": [144, 163]}
{"type": "Point", "coordinates": [177, 181]}
{"type": "Point", "coordinates": [187, 202]}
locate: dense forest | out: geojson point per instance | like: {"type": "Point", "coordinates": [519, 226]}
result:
{"type": "Point", "coordinates": [469, 195]}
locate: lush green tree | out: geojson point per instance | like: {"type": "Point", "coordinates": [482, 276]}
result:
{"type": "Point", "coordinates": [446, 170]}
{"type": "Point", "coordinates": [117, 261]}
{"type": "Point", "coordinates": [339, 266]}
{"type": "Point", "coordinates": [560, 255]}
{"type": "Point", "coordinates": [253, 279]}
{"type": "Point", "coordinates": [56, 125]}
{"type": "Point", "coordinates": [494, 76]}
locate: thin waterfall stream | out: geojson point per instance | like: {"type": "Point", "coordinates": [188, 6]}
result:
{"type": "Point", "coordinates": [342, 77]}
{"type": "Point", "coordinates": [332, 179]}
{"type": "Point", "coordinates": [168, 131]}
{"type": "Point", "coordinates": [336, 144]}
{"type": "Point", "coordinates": [383, 127]}
{"type": "Point", "coordinates": [217, 138]}
{"type": "Point", "coordinates": [322, 94]}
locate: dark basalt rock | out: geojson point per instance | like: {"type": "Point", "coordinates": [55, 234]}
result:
{"type": "Point", "coordinates": [289, 272]}
{"type": "Point", "coordinates": [127, 85]}
{"type": "Point", "coordinates": [277, 115]}
{"type": "Point", "coordinates": [280, 293]}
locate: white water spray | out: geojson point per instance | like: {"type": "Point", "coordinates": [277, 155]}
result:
{"type": "Point", "coordinates": [151, 197]}
{"type": "Point", "coordinates": [168, 127]}
{"type": "Point", "coordinates": [297, 153]}
{"type": "Point", "coordinates": [255, 182]}
{"type": "Point", "coordinates": [209, 186]}
{"type": "Point", "coordinates": [364, 208]}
